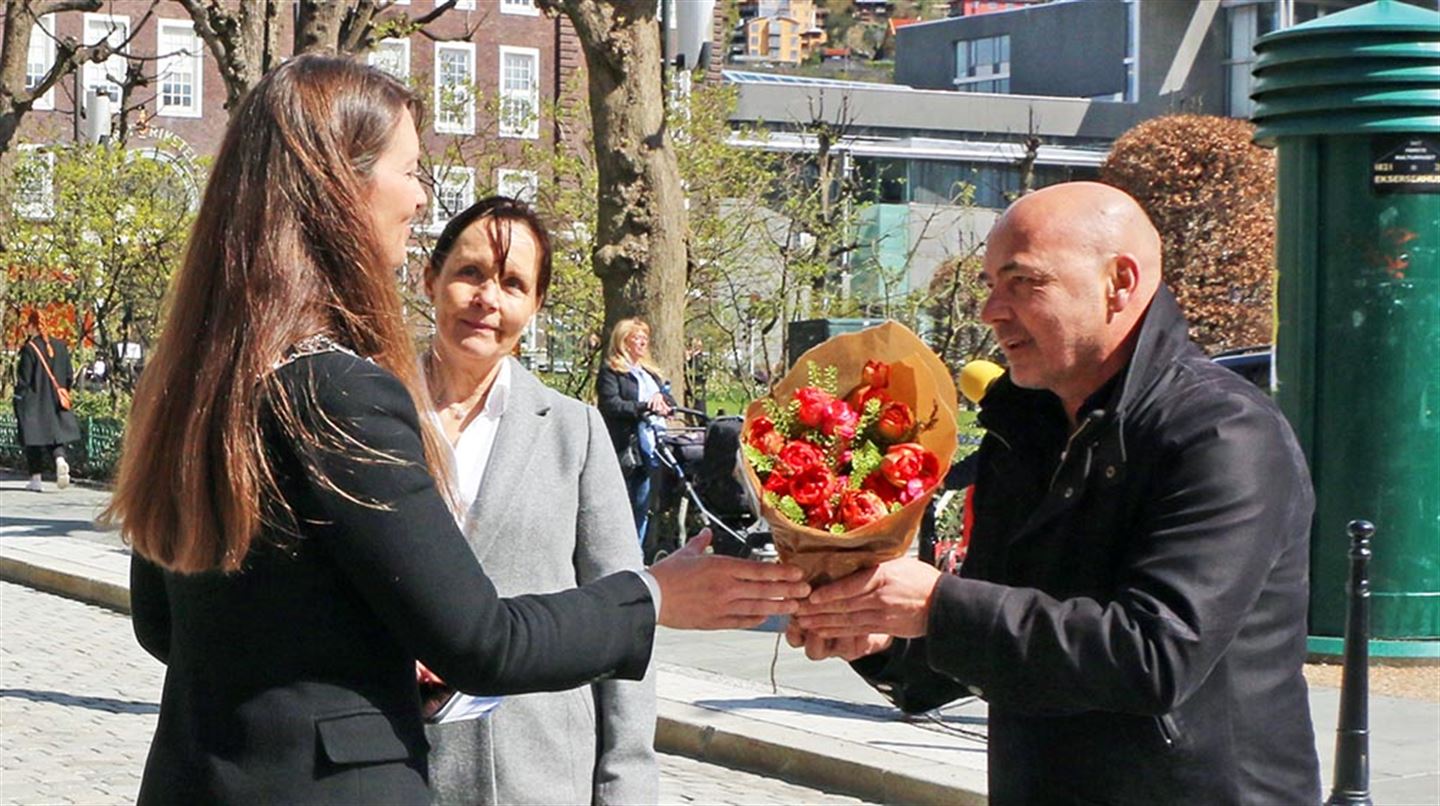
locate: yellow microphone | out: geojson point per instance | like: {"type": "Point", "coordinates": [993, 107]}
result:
{"type": "Point", "coordinates": [976, 377]}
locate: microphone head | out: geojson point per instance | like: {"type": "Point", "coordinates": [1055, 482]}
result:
{"type": "Point", "coordinates": [976, 377]}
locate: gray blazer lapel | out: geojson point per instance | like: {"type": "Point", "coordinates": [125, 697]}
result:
{"type": "Point", "coordinates": [515, 441]}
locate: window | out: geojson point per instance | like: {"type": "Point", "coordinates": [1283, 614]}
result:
{"type": "Point", "coordinates": [393, 57]}
{"type": "Point", "coordinates": [35, 190]}
{"type": "Point", "coordinates": [115, 30]}
{"type": "Point", "coordinates": [1244, 25]}
{"type": "Point", "coordinates": [1132, 51]}
{"type": "Point", "coordinates": [983, 65]}
{"type": "Point", "coordinates": [180, 69]}
{"type": "Point", "coordinates": [40, 59]}
{"type": "Point", "coordinates": [522, 185]}
{"type": "Point", "coordinates": [519, 92]}
{"type": "Point", "coordinates": [454, 83]}
{"type": "Point", "coordinates": [526, 7]}
{"type": "Point", "coordinates": [454, 191]}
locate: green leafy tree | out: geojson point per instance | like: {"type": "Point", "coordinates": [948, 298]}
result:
{"type": "Point", "coordinates": [105, 246]}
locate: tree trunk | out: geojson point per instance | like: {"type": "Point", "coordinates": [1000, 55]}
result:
{"type": "Point", "coordinates": [19, 21]}
{"type": "Point", "coordinates": [245, 43]}
{"type": "Point", "coordinates": [317, 26]}
{"type": "Point", "coordinates": [641, 222]}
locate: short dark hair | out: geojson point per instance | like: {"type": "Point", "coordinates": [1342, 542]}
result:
{"type": "Point", "coordinates": [499, 208]}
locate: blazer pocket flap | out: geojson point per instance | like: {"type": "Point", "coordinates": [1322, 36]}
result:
{"type": "Point", "coordinates": [360, 739]}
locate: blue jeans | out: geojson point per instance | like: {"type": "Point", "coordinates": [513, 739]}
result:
{"type": "Point", "coordinates": [639, 484]}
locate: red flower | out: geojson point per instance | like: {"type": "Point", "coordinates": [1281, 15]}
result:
{"type": "Point", "coordinates": [864, 394]}
{"type": "Point", "coordinates": [861, 507]}
{"type": "Point", "coordinates": [840, 420]}
{"type": "Point", "coordinates": [813, 405]}
{"type": "Point", "coordinates": [798, 455]}
{"type": "Point", "coordinates": [777, 483]}
{"type": "Point", "coordinates": [876, 374]}
{"type": "Point", "coordinates": [821, 515]}
{"type": "Point", "coordinates": [812, 485]}
{"type": "Point", "coordinates": [909, 461]}
{"type": "Point", "coordinates": [877, 484]}
{"type": "Point", "coordinates": [895, 423]}
{"type": "Point", "coordinates": [764, 437]}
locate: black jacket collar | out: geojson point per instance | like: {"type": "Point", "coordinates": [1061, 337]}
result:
{"type": "Point", "coordinates": [1024, 415]}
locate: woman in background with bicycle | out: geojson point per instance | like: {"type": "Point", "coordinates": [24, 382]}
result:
{"type": "Point", "coordinates": [634, 398]}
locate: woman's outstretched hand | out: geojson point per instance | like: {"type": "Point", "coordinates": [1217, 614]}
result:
{"type": "Point", "coordinates": [700, 591]}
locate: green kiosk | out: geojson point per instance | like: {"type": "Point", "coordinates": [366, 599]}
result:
{"type": "Point", "coordinates": [1351, 103]}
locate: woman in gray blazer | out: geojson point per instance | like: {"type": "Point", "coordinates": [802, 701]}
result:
{"type": "Point", "coordinates": [542, 502]}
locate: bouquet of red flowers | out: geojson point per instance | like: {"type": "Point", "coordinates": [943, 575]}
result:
{"type": "Point", "coordinates": [846, 451]}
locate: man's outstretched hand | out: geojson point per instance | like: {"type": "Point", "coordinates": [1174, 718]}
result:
{"type": "Point", "coordinates": [700, 591]}
{"type": "Point", "coordinates": [892, 598]}
{"type": "Point", "coordinates": [851, 648]}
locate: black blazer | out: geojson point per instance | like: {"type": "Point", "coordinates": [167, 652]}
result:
{"type": "Point", "coordinates": [616, 394]}
{"type": "Point", "coordinates": [293, 681]}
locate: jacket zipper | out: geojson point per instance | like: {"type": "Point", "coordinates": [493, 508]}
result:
{"type": "Point", "coordinates": [1065, 454]}
{"type": "Point", "coordinates": [1168, 732]}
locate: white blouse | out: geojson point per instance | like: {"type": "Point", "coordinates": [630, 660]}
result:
{"type": "Point", "coordinates": [471, 453]}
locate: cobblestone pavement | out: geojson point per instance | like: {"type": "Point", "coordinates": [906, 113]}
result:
{"type": "Point", "coordinates": [79, 698]}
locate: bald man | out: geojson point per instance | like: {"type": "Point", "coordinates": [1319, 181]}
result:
{"type": "Point", "coordinates": [1133, 602]}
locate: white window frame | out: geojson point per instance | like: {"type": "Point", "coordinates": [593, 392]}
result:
{"type": "Point", "coordinates": [42, 38]}
{"type": "Point", "coordinates": [517, 184]}
{"type": "Point", "coordinates": [169, 55]}
{"type": "Point", "coordinates": [98, 73]}
{"type": "Point", "coordinates": [374, 59]}
{"type": "Point", "coordinates": [531, 131]}
{"type": "Point", "coordinates": [525, 8]}
{"type": "Point", "coordinates": [466, 126]}
{"type": "Point", "coordinates": [40, 208]}
{"type": "Point", "coordinates": [451, 177]}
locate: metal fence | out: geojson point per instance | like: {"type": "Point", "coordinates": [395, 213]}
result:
{"type": "Point", "coordinates": [93, 457]}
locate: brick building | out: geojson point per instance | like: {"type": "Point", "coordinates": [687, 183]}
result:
{"type": "Point", "coordinates": [515, 58]}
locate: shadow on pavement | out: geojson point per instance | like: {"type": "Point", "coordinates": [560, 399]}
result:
{"type": "Point", "coordinates": [108, 704]}
{"type": "Point", "coordinates": [42, 527]}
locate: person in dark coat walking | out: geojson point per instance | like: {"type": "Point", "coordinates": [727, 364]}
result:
{"type": "Point", "coordinates": [45, 427]}
{"type": "Point", "coordinates": [1134, 598]}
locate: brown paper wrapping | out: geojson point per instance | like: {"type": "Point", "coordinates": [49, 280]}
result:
{"type": "Point", "coordinates": [918, 378]}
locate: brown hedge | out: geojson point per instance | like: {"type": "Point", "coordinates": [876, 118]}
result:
{"type": "Point", "coordinates": [1211, 193]}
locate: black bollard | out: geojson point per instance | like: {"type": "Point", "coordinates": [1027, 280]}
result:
{"type": "Point", "coordinates": [1352, 735]}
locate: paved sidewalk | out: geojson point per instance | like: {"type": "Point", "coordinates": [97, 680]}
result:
{"type": "Point", "coordinates": [79, 701]}
{"type": "Point", "coordinates": [819, 726]}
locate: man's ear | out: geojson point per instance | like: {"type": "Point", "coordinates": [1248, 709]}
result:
{"type": "Point", "coordinates": [1124, 282]}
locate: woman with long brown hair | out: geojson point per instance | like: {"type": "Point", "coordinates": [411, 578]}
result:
{"type": "Point", "coordinates": [293, 554]}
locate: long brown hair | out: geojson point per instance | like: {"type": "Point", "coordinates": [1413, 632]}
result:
{"type": "Point", "coordinates": [282, 249]}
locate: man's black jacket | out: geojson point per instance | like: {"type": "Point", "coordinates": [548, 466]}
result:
{"type": "Point", "coordinates": [1133, 602]}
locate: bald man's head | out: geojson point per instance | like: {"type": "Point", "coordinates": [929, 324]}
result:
{"type": "Point", "coordinates": [1072, 269]}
